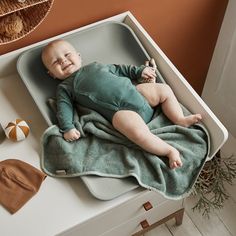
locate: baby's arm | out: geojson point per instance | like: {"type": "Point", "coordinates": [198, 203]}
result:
{"type": "Point", "coordinates": [144, 73]}
{"type": "Point", "coordinates": [71, 135]}
{"type": "Point", "coordinates": [130, 71]}
{"type": "Point", "coordinates": [65, 111]}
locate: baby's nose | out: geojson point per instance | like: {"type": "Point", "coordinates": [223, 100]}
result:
{"type": "Point", "coordinates": [62, 60]}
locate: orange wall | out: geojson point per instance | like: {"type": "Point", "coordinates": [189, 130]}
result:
{"type": "Point", "coordinates": [185, 30]}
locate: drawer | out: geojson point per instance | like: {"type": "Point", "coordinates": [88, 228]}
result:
{"type": "Point", "coordinates": [133, 226]}
{"type": "Point", "coordinates": [118, 215]}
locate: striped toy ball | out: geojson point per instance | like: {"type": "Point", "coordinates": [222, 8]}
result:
{"type": "Point", "coordinates": [17, 130]}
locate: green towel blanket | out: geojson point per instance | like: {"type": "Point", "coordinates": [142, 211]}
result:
{"type": "Point", "coordinates": [103, 151]}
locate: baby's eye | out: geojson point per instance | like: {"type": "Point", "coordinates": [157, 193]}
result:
{"type": "Point", "coordinates": [68, 54]}
{"type": "Point", "coordinates": [55, 62]}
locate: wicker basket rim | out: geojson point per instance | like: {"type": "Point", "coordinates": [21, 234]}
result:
{"type": "Point", "coordinates": [32, 21]}
{"type": "Point", "coordinates": [9, 6]}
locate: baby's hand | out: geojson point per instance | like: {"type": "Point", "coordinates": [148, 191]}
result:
{"type": "Point", "coordinates": [148, 75]}
{"type": "Point", "coordinates": [71, 135]}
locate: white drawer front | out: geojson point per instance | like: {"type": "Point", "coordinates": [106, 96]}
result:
{"type": "Point", "coordinates": [116, 216]}
{"type": "Point", "coordinates": [152, 216]}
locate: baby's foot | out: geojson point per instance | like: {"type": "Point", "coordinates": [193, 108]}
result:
{"type": "Point", "coordinates": [174, 159]}
{"type": "Point", "coordinates": [190, 120]}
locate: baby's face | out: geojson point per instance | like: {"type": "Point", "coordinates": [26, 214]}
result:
{"type": "Point", "coordinates": [61, 59]}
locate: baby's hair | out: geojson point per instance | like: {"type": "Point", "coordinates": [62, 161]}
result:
{"type": "Point", "coordinates": [49, 45]}
{"type": "Point", "coordinates": [45, 48]}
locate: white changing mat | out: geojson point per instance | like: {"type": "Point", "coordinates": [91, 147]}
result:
{"type": "Point", "coordinates": [109, 42]}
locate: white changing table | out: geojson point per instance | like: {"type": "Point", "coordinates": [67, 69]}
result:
{"type": "Point", "coordinates": [64, 206]}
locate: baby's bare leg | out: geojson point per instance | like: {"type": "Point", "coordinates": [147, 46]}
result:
{"type": "Point", "coordinates": [130, 124]}
{"type": "Point", "coordinates": [157, 93]}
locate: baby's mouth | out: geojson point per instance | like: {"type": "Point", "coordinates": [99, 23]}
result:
{"type": "Point", "coordinates": [67, 66]}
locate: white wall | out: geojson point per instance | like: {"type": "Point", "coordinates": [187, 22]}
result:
{"type": "Point", "coordinates": [220, 87]}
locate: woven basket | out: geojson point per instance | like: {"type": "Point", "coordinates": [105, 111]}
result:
{"type": "Point", "coordinates": [32, 13]}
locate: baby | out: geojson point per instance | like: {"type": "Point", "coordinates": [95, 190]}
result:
{"type": "Point", "coordinates": [108, 89]}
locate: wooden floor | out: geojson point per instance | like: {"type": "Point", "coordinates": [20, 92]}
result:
{"type": "Point", "coordinates": [220, 223]}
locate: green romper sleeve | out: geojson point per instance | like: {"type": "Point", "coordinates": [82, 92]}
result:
{"type": "Point", "coordinates": [65, 108]}
{"type": "Point", "coordinates": [131, 71]}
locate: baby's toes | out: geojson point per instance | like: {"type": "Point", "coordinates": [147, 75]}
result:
{"type": "Point", "coordinates": [179, 163]}
{"type": "Point", "coordinates": [173, 164]}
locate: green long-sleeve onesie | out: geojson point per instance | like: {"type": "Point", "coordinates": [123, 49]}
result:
{"type": "Point", "coordinates": [103, 88]}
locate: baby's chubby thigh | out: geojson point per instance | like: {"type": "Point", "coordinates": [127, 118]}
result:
{"type": "Point", "coordinates": [154, 93]}
{"type": "Point", "coordinates": [130, 124]}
